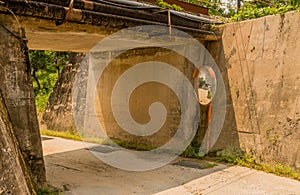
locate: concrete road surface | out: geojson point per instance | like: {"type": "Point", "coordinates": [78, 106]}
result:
{"type": "Point", "coordinates": [74, 169]}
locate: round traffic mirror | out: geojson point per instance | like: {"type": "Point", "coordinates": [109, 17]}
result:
{"type": "Point", "coordinates": [206, 84]}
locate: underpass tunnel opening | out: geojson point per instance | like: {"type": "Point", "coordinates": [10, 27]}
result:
{"type": "Point", "coordinates": [54, 96]}
{"type": "Point", "coordinates": [53, 75]}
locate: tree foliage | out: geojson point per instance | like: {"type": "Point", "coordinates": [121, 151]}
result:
{"type": "Point", "coordinates": [215, 7]}
{"type": "Point", "coordinates": [249, 8]}
{"type": "Point", "coordinates": [256, 9]}
{"type": "Point", "coordinates": [45, 70]}
{"type": "Point", "coordinates": [163, 4]}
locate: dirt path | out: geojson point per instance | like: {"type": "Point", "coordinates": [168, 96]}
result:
{"type": "Point", "coordinates": [71, 167]}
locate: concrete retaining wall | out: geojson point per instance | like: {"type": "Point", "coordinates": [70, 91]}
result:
{"type": "Point", "coordinates": [143, 96]}
{"type": "Point", "coordinates": [263, 65]}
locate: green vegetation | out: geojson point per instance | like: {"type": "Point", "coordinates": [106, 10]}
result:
{"type": "Point", "coordinates": [215, 7]}
{"type": "Point", "coordinates": [45, 69]}
{"type": "Point", "coordinates": [190, 152]}
{"type": "Point", "coordinates": [256, 9]}
{"type": "Point", "coordinates": [163, 4]}
{"type": "Point", "coordinates": [47, 192]}
{"type": "Point", "coordinates": [129, 145]}
{"type": "Point", "coordinates": [66, 135]}
{"type": "Point", "coordinates": [207, 165]}
{"type": "Point", "coordinates": [248, 10]}
{"type": "Point", "coordinates": [72, 136]}
{"type": "Point", "coordinates": [233, 157]}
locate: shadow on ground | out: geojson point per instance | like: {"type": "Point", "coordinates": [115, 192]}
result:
{"type": "Point", "coordinates": [76, 170]}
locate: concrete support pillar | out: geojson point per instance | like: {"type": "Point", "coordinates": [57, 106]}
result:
{"type": "Point", "coordinates": [14, 177]}
{"type": "Point", "coordinates": [17, 90]}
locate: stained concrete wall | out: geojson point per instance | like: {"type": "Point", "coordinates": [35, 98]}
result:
{"type": "Point", "coordinates": [143, 96]}
{"type": "Point", "coordinates": [14, 177]}
{"type": "Point", "coordinates": [58, 114]}
{"type": "Point", "coordinates": [140, 100]}
{"type": "Point", "coordinates": [17, 91]}
{"type": "Point", "coordinates": [263, 65]}
{"type": "Point", "coordinates": [228, 137]}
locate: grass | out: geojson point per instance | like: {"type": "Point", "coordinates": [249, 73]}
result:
{"type": "Point", "coordinates": [76, 137]}
{"type": "Point", "coordinates": [207, 165]}
{"type": "Point", "coordinates": [163, 4]}
{"type": "Point", "coordinates": [71, 136]}
{"type": "Point", "coordinates": [41, 102]}
{"type": "Point", "coordinates": [233, 157]}
{"type": "Point", "coordinates": [47, 192]}
{"type": "Point", "coordinates": [66, 135]}
{"type": "Point", "coordinates": [190, 152]}
{"type": "Point", "coordinates": [129, 145]}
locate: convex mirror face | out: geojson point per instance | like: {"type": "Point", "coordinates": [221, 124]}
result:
{"type": "Point", "coordinates": [206, 84]}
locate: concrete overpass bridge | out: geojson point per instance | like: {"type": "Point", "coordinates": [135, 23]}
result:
{"type": "Point", "coordinates": [60, 26]}
{"type": "Point", "coordinates": [78, 25]}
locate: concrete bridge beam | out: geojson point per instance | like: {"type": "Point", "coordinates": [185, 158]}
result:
{"type": "Point", "coordinates": [48, 27]}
